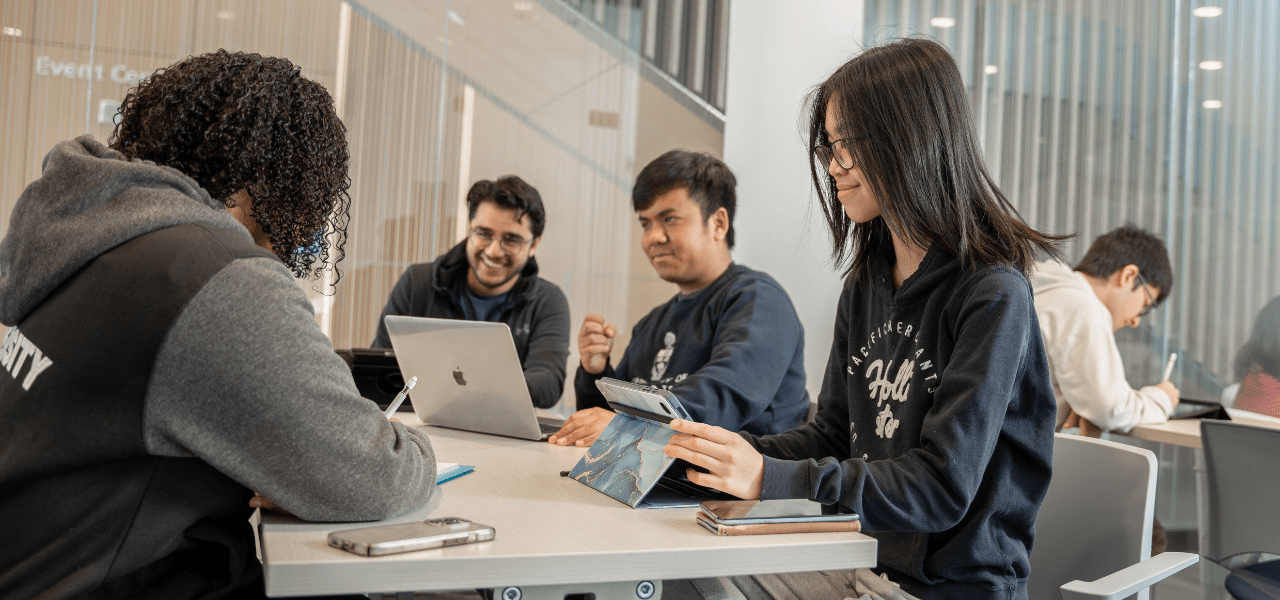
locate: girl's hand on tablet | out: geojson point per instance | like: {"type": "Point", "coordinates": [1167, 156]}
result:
{"type": "Point", "coordinates": [734, 466]}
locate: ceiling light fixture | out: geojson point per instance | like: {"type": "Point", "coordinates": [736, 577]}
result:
{"type": "Point", "coordinates": [991, 69]}
{"type": "Point", "coordinates": [1211, 104]}
{"type": "Point", "coordinates": [942, 22]}
{"type": "Point", "coordinates": [1207, 11]}
{"type": "Point", "coordinates": [225, 15]}
{"type": "Point", "coordinates": [13, 31]}
{"type": "Point", "coordinates": [1210, 65]}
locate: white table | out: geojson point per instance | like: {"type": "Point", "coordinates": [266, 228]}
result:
{"type": "Point", "coordinates": [550, 530]}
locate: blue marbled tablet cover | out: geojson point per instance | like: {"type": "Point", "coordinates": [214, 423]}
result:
{"type": "Point", "coordinates": [626, 460]}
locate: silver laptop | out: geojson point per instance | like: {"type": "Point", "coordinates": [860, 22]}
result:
{"type": "Point", "coordinates": [469, 376]}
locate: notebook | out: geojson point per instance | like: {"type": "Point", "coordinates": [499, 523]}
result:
{"type": "Point", "coordinates": [448, 471]}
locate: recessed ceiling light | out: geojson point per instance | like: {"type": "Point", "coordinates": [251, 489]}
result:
{"type": "Point", "coordinates": [225, 15]}
{"type": "Point", "coordinates": [1211, 104]}
{"type": "Point", "coordinates": [1207, 11]}
{"type": "Point", "coordinates": [942, 22]}
{"type": "Point", "coordinates": [1210, 65]}
{"type": "Point", "coordinates": [13, 31]}
{"type": "Point", "coordinates": [457, 18]}
{"type": "Point", "coordinates": [523, 6]}
{"type": "Point", "coordinates": [991, 69]}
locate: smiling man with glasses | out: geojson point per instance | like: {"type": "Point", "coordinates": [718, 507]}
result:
{"type": "Point", "coordinates": [1123, 277]}
{"type": "Point", "coordinates": [492, 276]}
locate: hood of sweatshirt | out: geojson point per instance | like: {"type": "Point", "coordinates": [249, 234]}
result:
{"type": "Point", "coordinates": [934, 269]}
{"type": "Point", "coordinates": [88, 200]}
{"type": "Point", "coordinates": [1052, 276]}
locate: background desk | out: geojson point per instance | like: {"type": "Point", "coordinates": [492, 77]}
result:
{"type": "Point", "coordinates": [1186, 433]}
{"type": "Point", "coordinates": [550, 530]}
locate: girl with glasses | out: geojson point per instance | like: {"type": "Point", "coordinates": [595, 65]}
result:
{"type": "Point", "coordinates": [936, 416]}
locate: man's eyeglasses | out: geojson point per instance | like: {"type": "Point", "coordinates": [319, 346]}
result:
{"type": "Point", "coordinates": [510, 243]}
{"type": "Point", "coordinates": [837, 149]}
{"type": "Point", "coordinates": [1150, 307]}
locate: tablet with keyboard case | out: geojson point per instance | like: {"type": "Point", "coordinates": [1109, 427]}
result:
{"type": "Point", "coordinates": [626, 461]}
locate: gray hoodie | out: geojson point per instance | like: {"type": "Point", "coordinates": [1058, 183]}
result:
{"type": "Point", "coordinates": [245, 380]}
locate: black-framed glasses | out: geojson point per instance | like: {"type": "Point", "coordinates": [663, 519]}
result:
{"type": "Point", "coordinates": [510, 243]}
{"type": "Point", "coordinates": [837, 149]}
{"type": "Point", "coordinates": [1150, 307]}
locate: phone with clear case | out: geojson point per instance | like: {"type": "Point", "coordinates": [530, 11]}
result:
{"type": "Point", "coordinates": [408, 537]}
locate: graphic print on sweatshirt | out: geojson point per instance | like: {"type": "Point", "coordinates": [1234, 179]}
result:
{"type": "Point", "coordinates": [661, 361]}
{"type": "Point", "coordinates": [16, 352]}
{"type": "Point", "coordinates": [887, 364]}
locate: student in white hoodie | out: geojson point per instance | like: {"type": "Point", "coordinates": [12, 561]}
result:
{"type": "Point", "coordinates": [1124, 275]}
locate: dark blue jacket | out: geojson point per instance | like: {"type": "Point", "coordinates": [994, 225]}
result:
{"type": "Point", "coordinates": [733, 352]}
{"type": "Point", "coordinates": [935, 424]}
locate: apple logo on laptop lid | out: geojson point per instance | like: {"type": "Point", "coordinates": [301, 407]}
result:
{"type": "Point", "coordinates": [457, 376]}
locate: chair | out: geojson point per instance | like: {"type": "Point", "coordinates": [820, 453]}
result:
{"type": "Point", "coordinates": [1093, 532]}
{"type": "Point", "coordinates": [1242, 469]}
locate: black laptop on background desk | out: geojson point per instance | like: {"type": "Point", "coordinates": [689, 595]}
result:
{"type": "Point", "coordinates": [377, 374]}
{"type": "Point", "coordinates": [1189, 408]}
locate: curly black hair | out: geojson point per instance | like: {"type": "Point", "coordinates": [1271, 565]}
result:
{"type": "Point", "coordinates": [234, 121]}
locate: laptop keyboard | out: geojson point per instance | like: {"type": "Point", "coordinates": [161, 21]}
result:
{"type": "Point", "coordinates": [549, 425]}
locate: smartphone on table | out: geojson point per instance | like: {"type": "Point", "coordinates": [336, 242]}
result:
{"type": "Point", "coordinates": [743, 517]}
{"type": "Point", "coordinates": [407, 537]}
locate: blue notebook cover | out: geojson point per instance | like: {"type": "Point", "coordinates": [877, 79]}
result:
{"type": "Point", "coordinates": [447, 471]}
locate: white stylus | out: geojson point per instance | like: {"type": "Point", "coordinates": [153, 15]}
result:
{"type": "Point", "coordinates": [1168, 367]}
{"type": "Point", "coordinates": [391, 410]}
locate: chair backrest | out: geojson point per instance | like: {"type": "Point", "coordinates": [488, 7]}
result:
{"type": "Point", "coordinates": [1096, 518]}
{"type": "Point", "coordinates": [1242, 466]}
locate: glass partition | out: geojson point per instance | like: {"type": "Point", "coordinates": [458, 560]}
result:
{"type": "Point", "coordinates": [1161, 113]}
{"type": "Point", "coordinates": [1164, 114]}
{"type": "Point", "coordinates": [435, 96]}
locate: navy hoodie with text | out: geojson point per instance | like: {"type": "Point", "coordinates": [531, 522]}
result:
{"type": "Point", "coordinates": [935, 424]}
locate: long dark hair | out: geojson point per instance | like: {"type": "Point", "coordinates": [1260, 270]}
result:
{"type": "Point", "coordinates": [905, 115]}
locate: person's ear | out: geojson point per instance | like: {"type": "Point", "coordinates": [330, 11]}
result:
{"type": "Point", "coordinates": [533, 246]}
{"type": "Point", "coordinates": [719, 223]}
{"type": "Point", "coordinates": [1127, 277]}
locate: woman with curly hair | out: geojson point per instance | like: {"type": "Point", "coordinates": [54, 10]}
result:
{"type": "Point", "coordinates": [162, 364]}
{"type": "Point", "coordinates": [274, 151]}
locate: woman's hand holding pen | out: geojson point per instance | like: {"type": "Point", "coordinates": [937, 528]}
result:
{"type": "Point", "coordinates": [734, 466]}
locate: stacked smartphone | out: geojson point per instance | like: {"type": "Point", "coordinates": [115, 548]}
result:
{"type": "Point", "coordinates": [748, 517]}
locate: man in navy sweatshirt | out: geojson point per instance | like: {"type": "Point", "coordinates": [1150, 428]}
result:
{"type": "Point", "coordinates": [729, 345]}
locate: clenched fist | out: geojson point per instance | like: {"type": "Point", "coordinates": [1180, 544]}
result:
{"type": "Point", "coordinates": [595, 342]}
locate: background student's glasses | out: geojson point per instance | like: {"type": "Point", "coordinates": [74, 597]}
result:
{"type": "Point", "coordinates": [509, 243]}
{"type": "Point", "coordinates": [1150, 307]}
